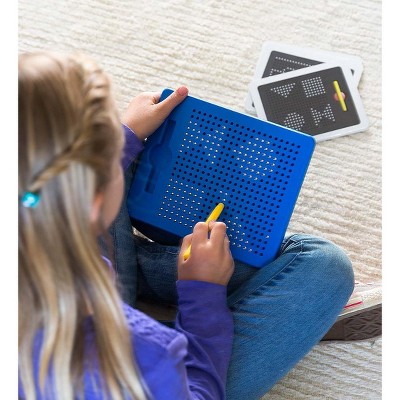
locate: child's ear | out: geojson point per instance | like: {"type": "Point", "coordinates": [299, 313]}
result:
{"type": "Point", "coordinates": [95, 213]}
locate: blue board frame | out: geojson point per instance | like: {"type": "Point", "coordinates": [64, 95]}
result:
{"type": "Point", "coordinates": [204, 154]}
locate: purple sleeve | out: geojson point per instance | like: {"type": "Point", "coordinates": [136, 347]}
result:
{"type": "Point", "coordinates": [206, 321]}
{"type": "Point", "coordinates": [189, 362]}
{"type": "Point", "coordinates": [133, 146]}
{"type": "Point", "coordinates": [186, 363]}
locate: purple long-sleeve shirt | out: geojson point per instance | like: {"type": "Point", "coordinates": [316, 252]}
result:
{"type": "Point", "coordinates": [188, 362]}
{"type": "Point", "coordinates": [195, 356]}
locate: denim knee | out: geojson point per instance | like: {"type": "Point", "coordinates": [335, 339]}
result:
{"type": "Point", "coordinates": [327, 263]}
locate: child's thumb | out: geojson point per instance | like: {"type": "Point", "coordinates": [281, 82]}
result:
{"type": "Point", "coordinates": [186, 242]}
{"type": "Point", "coordinates": [168, 104]}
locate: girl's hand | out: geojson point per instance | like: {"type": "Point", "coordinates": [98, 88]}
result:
{"type": "Point", "coordinates": [146, 113]}
{"type": "Point", "coordinates": [210, 258]}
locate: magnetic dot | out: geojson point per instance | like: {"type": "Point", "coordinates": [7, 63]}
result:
{"type": "Point", "coordinates": [336, 97]}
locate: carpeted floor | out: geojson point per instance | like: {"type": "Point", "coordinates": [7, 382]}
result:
{"type": "Point", "coordinates": [212, 47]}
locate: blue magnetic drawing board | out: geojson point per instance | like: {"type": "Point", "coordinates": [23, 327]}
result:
{"type": "Point", "coordinates": [204, 154]}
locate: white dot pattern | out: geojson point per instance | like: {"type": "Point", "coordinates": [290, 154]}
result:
{"type": "Point", "coordinates": [313, 87]}
{"type": "Point", "coordinates": [302, 64]}
{"type": "Point", "coordinates": [318, 115]}
{"type": "Point", "coordinates": [247, 168]}
{"type": "Point", "coordinates": [294, 121]}
{"type": "Point", "coordinates": [275, 71]}
{"type": "Point", "coordinates": [284, 90]}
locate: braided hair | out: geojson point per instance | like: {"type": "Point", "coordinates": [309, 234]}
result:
{"type": "Point", "coordinates": [69, 135]}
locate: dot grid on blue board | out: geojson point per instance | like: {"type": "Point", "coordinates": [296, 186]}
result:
{"type": "Point", "coordinates": [205, 154]}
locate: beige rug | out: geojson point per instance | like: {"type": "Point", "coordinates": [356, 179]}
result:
{"type": "Point", "coordinates": [212, 47]}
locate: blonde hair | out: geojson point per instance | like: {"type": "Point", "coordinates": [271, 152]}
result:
{"type": "Point", "coordinates": [69, 134]}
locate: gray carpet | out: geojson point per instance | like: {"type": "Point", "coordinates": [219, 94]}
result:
{"type": "Point", "coordinates": [212, 47]}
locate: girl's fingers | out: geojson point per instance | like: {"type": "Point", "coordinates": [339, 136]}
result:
{"type": "Point", "coordinates": [186, 242]}
{"type": "Point", "coordinates": [226, 241]}
{"type": "Point", "coordinates": [218, 232]}
{"type": "Point", "coordinates": [167, 105]}
{"type": "Point", "coordinates": [200, 233]}
{"type": "Point", "coordinates": [156, 97]}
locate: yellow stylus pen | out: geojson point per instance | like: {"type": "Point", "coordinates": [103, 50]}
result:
{"type": "Point", "coordinates": [212, 217]}
{"type": "Point", "coordinates": [339, 95]}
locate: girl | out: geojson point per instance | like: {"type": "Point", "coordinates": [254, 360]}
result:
{"type": "Point", "coordinates": [77, 339]}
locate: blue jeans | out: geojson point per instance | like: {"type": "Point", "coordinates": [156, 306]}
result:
{"type": "Point", "coordinates": [280, 311]}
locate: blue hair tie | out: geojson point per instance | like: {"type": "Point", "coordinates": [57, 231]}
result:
{"type": "Point", "coordinates": [30, 200]}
